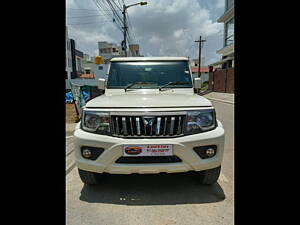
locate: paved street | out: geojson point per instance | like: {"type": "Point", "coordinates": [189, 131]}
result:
{"type": "Point", "coordinates": [161, 199]}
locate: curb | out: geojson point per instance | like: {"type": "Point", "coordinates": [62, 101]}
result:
{"type": "Point", "coordinates": [219, 100]}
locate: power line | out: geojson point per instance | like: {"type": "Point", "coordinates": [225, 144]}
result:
{"type": "Point", "coordinates": [114, 11]}
{"type": "Point", "coordinates": [84, 16]}
{"type": "Point", "coordinates": [86, 9]}
{"type": "Point", "coordinates": [89, 23]}
{"type": "Point", "coordinates": [103, 8]}
{"type": "Point", "coordinates": [118, 6]}
{"type": "Point", "coordinates": [114, 15]}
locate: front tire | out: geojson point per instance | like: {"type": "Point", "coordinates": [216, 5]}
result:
{"type": "Point", "coordinates": [210, 176]}
{"type": "Point", "coordinates": [89, 178]}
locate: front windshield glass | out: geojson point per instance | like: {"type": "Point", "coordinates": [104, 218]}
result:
{"type": "Point", "coordinates": [149, 74]}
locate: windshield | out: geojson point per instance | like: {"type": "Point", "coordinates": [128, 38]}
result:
{"type": "Point", "coordinates": [149, 75]}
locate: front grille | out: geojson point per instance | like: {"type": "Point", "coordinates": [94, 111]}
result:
{"type": "Point", "coordinates": [149, 159]}
{"type": "Point", "coordinates": [148, 125]}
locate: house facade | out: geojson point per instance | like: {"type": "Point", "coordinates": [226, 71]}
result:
{"type": "Point", "coordinates": [227, 52]}
{"type": "Point", "coordinates": [109, 50]}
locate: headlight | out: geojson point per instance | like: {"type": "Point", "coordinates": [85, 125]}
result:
{"type": "Point", "coordinates": [200, 121]}
{"type": "Point", "coordinates": [97, 122]}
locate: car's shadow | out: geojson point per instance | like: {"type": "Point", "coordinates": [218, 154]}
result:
{"type": "Point", "coordinates": [152, 189]}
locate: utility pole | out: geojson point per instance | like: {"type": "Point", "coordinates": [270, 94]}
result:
{"type": "Point", "coordinates": [125, 25]}
{"type": "Point", "coordinates": [200, 46]}
{"type": "Point", "coordinates": [125, 30]}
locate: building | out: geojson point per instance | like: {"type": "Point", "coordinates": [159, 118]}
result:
{"type": "Point", "coordinates": [195, 62]}
{"type": "Point", "coordinates": [88, 64]}
{"type": "Point", "coordinates": [109, 50]}
{"type": "Point", "coordinates": [227, 51]}
{"type": "Point", "coordinates": [79, 59]}
{"type": "Point", "coordinates": [68, 61]}
{"type": "Point", "coordinates": [86, 57]}
{"type": "Point", "coordinates": [204, 71]}
{"type": "Point", "coordinates": [134, 50]}
{"type": "Point", "coordinates": [73, 59]}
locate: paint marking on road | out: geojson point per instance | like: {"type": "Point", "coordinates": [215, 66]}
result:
{"type": "Point", "coordinates": [69, 136]}
{"type": "Point", "coordinates": [69, 169]}
{"type": "Point", "coordinates": [220, 100]}
{"type": "Point", "coordinates": [68, 153]}
{"type": "Point", "coordinates": [222, 178]}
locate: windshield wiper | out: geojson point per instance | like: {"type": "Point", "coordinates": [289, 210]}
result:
{"type": "Point", "coordinates": [172, 83]}
{"type": "Point", "coordinates": [132, 84]}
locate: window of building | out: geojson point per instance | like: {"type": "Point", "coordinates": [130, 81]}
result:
{"type": "Point", "coordinates": [228, 5]}
{"type": "Point", "coordinates": [229, 32]}
{"type": "Point", "coordinates": [100, 67]}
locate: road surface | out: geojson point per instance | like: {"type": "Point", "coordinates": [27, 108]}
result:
{"type": "Point", "coordinates": [160, 199]}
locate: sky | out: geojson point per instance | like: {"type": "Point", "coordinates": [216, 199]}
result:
{"type": "Point", "coordinates": [161, 28]}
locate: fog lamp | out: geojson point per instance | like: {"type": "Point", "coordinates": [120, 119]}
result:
{"type": "Point", "coordinates": [86, 153]}
{"type": "Point", "coordinates": [210, 152]}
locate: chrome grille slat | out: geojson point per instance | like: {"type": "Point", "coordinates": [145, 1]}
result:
{"type": "Point", "coordinates": [131, 127]}
{"type": "Point", "coordinates": [179, 125]}
{"type": "Point", "coordinates": [145, 128]}
{"type": "Point", "coordinates": [152, 125]}
{"type": "Point", "coordinates": [158, 125]}
{"type": "Point", "coordinates": [125, 132]}
{"type": "Point", "coordinates": [165, 126]}
{"type": "Point", "coordinates": [117, 126]}
{"type": "Point", "coordinates": [172, 125]}
{"type": "Point", "coordinates": [138, 126]}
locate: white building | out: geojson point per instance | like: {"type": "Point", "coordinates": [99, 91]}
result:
{"type": "Point", "coordinates": [227, 51]}
{"type": "Point", "coordinates": [86, 57]}
{"type": "Point", "coordinates": [195, 62]}
{"type": "Point", "coordinates": [68, 56]}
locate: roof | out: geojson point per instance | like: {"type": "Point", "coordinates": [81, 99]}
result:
{"type": "Point", "coordinates": [131, 59]}
{"type": "Point", "coordinates": [221, 61]}
{"type": "Point", "coordinates": [202, 69]}
{"type": "Point", "coordinates": [78, 53]}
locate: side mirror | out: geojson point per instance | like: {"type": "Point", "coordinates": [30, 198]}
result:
{"type": "Point", "coordinates": [101, 84]}
{"type": "Point", "coordinates": [197, 83]}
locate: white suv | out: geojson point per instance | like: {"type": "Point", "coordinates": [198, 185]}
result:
{"type": "Point", "coordinates": [149, 120]}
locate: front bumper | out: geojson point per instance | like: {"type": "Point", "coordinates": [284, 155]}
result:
{"type": "Point", "coordinates": [182, 147]}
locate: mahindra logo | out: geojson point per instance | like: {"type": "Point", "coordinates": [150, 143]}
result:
{"type": "Point", "coordinates": [133, 150]}
{"type": "Point", "coordinates": [148, 120]}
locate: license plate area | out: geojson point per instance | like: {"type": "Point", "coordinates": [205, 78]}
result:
{"type": "Point", "coordinates": [147, 150]}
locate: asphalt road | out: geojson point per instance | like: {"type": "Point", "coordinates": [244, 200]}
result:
{"type": "Point", "coordinates": [160, 199]}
